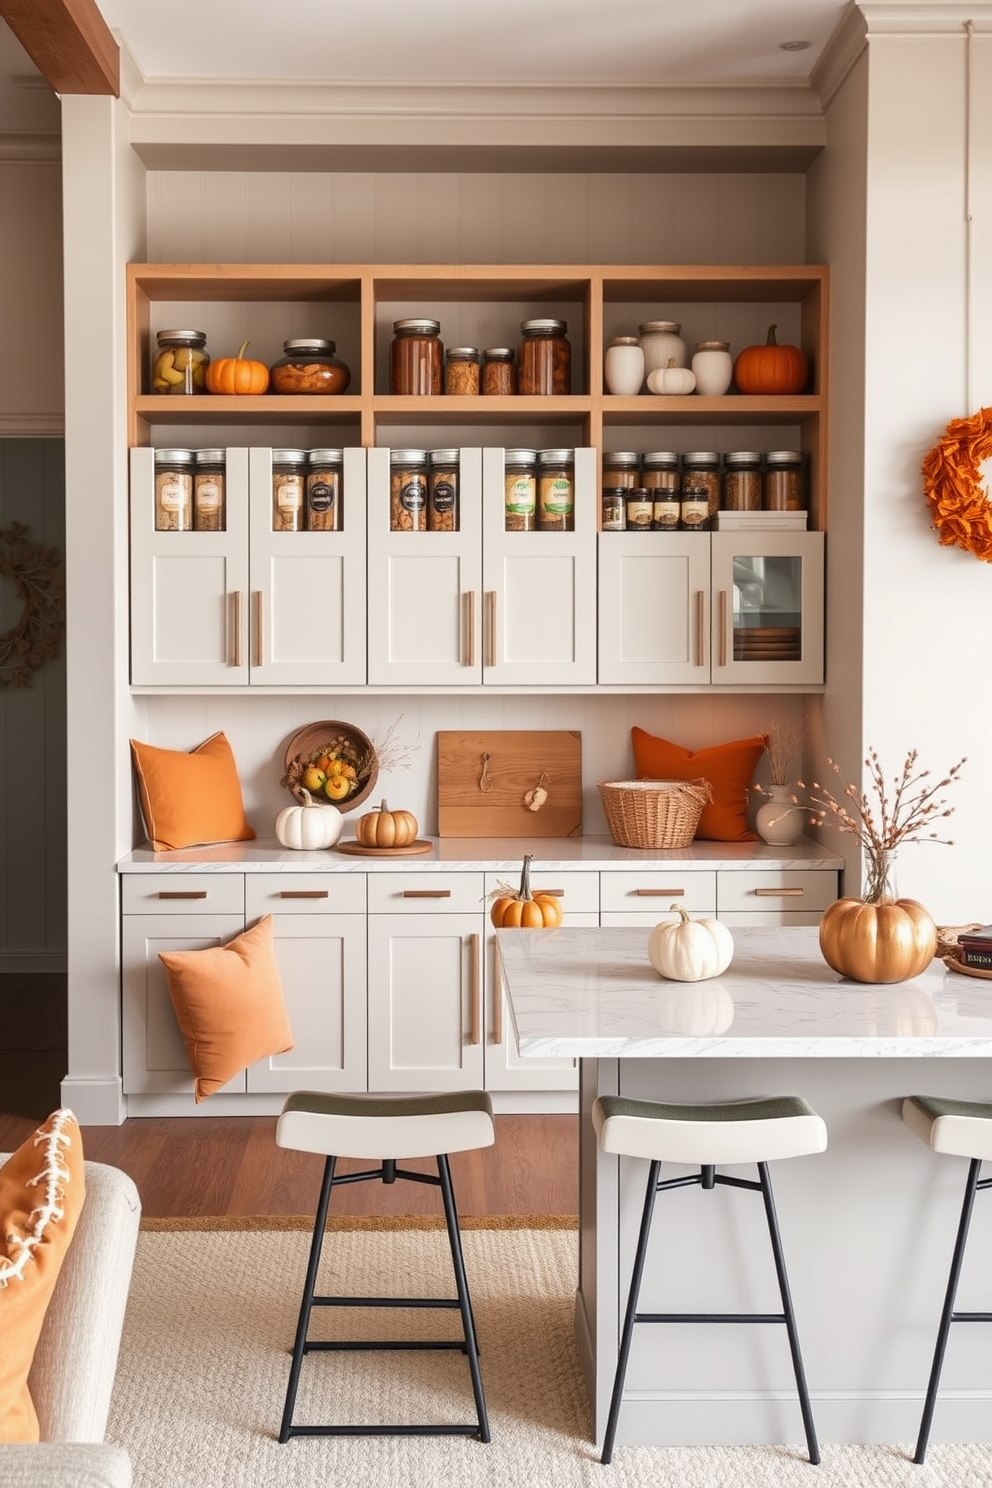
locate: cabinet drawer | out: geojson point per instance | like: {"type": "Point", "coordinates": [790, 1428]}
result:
{"type": "Point", "coordinates": [578, 892]}
{"type": "Point", "coordinates": [650, 891]}
{"type": "Point", "coordinates": [304, 893]}
{"type": "Point", "coordinates": [426, 893]}
{"type": "Point", "coordinates": [776, 888]}
{"type": "Point", "coordinates": [183, 893]}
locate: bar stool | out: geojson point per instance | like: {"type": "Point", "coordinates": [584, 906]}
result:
{"type": "Point", "coordinates": [380, 1127]}
{"type": "Point", "coordinates": [963, 1129]}
{"type": "Point", "coordinates": [747, 1131]}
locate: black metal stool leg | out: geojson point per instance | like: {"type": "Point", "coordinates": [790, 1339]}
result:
{"type": "Point", "coordinates": [631, 1314]}
{"type": "Point", "coordinates": [306, 1306]}
{"type": "Point", "coordinates": [947, 1315]}
{"type": "Point", "coordinates": [790, 1318]}
{"type": "Point", "coordinates": [464, 1300]}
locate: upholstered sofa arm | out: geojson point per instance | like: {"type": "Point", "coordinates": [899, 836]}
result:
{"type": "Point", "coordinates": [64, 1465]}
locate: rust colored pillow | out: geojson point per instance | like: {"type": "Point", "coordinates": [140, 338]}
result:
{"type": "Point", "coordinates": [728, 767]}
{"type": "Point", "coordinates": [41, 1194]}
{"type": "Point", "coordinates": [228, 1002]}
{"type": "Point", "coordinates": [188, 799]}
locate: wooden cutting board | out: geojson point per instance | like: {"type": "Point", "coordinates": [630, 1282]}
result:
{"type": "Point", "coordinates": [480, 797]}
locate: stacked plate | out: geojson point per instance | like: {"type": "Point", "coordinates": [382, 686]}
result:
{"type": "Point", "coordinates": [768, 643]}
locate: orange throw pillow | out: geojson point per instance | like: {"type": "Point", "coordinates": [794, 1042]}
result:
{"type": "Point", "coordinates": [229, 1004]}
{"type": "Point", "coordinates": [42, 1188]}
{"type": "Point", "coordinates": [189, 799]}
{"type": "Point", "coordinates": [728, 767]}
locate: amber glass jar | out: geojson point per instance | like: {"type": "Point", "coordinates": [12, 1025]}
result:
{"type": "Point", "coordinates": [209, 483]}
{"type": "Point", "coordinates": [621, 468]}
{"type": "Point", "coordinates": [408, 490]}
{"type": "Point", "coordinates": [461, 371]}
{"type": "Point", "coordinates": [499, 371]}
{"type": "Point", "coordinates": [308, 365]}
{"type": "Point", "coordinates": [742, 480]}
{"type": "Point", "coordinates": [442, 490]}
{"type": "Point", "coordinates": [784, 485]}
{"type": "Point", "coordinates": [180, 362]}
{"type": "Point", "coordinates": [416, 358]}
{"type": "Point", "coordinates": [614, 508]}
{"type": "Point", "coordinates": [700, 489]}
{"type": "Point", "coordinates": [324, 490]}
{"type": "Point", "coordinates": [545, 358]}
{"type": "Point", "coordinates": [289, 468]}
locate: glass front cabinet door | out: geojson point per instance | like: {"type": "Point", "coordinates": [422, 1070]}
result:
{"type": "Point", "coordinates": [767, 607]}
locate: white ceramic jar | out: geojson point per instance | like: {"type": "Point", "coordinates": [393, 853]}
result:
{"type": "Point", "coordinates": [623, 366]}
{"type": "Point", "coordinates": [662, 345]}
{"type": "Point", "coordinates": [714, 368]}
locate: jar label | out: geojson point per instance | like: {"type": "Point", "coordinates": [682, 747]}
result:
{"type": "Point", "coordinates": [321, 496]}
{"type": "Point", "coordinates": [556, 496]}
{"type": "Point", "coordinates": [443, 496]}
{"type": "Point", "coordinates": [413, 495]}
{"type": "Point", "coordinates": [172, 494]}
{"type": "Point", "coordinates": [521, 495]}
{"type": "Point", "coordinates": [695, 511]}
{"type": "Point", "coordinates": [208, 495]}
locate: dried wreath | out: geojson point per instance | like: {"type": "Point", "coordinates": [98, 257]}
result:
{"type": "Point", "coordinates": [952, 480]}
{"type": "Point", "coordinates": [39, 583]}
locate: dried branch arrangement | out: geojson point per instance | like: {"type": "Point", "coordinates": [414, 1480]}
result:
{"type": "Point", "coordinates": [784, 738]}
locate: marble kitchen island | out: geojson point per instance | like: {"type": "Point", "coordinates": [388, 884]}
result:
{"type": "Point", "coordinates": [868, 1226]}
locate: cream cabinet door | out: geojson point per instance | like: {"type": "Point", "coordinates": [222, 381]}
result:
{"type": "Point", "coordinates": [654, 606]}
{"type": "Point", "coordinates": [767, 607]}
{"type": "Point", "coordinates": [775, 896]}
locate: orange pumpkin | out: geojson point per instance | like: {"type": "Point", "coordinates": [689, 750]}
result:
{"type": "Point", "coordinates": [771, 368]}
{"type": "Point", "coordinates": [524, 910]}
{"type": "Point", "coordinates": [886, 942]}
{"type": "Point", "coordinates": [385, 828]}
{"type": "Point", "coordinates": [238, 376]}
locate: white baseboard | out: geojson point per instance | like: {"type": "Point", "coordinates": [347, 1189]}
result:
{"type": "Point", "coordinates": [32, 961]}
{"type": "Point", "coordinates": [96, 1101]}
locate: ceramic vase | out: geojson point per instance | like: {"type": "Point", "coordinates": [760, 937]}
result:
{"type": "Point", "coordinates": [623, 367]}
{"type": "Point", "coordinates": [779, 821]}
{"type": "Point", "coordinates": [662, 345]}
{"type": "Point", "coordinates": [714, 368]}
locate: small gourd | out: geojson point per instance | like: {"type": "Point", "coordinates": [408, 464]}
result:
{"type": "Point", "coordinates": [385, 828]}
{"type": "Point", "coordinates": [771, 368]}
{"type": "Point", "coordinates": [687, 950]}
{"type": "Point", "coordinates": [671, 379]}
{"type": "Point", "coordinates": [238, 376]}
{"type": "Point", "coordinates": [524, 910]}
{"type": "Point", "coordinates": [308, 827]}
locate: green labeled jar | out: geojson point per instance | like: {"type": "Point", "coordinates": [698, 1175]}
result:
{"type": "Point", "coordinates": [520, 490]}
{"type": "Point", "coordinates": [556, 490]}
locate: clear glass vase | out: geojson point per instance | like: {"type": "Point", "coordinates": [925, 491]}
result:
{"type": "Point", "coordinates": [881, 882]}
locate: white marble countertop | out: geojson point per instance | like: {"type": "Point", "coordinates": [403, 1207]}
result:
{"type": "Point", "coordinates": [592, 993]}
{"type": "Point", "coordinates": [488, 854]}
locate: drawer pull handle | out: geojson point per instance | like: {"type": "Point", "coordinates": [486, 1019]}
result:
{"type": "Point", "coordinates": [426, 893]}
{"type": "Point", "coordinates": [497, 994]}
{"type": "Point", "coordinates": [660, 893]}
{"type": "Point", "coordinates": [723, 629]}
{"type": "Point", "coordinates": [304, 893]}
{"type": "Point", "coordinates": [257, 627]}
{"type": "Point", "coordinates": [468, 622]}
{"type": "Point", "coordinates": [182, 893]}
{"type": "Point", "coordinates": [475, 1024]}
{"type": "Point", "coordinates": [700, 628]}
{"type": "Point", "coordinates": [490, 628]}
{"type": "Point", "coordinates": [236, 605]}
{"type": "Point", "coordinates": [780, 893]}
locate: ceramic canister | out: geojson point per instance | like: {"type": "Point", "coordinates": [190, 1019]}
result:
{"type": "Point", "coordinates": [714, 368]}
{"type": "Point", "coordinates": [623, 366]}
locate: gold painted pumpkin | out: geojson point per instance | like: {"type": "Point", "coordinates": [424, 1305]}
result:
{"type": "Point", "coordinates": [884, 942]}
{"type": "Point", "coordinates": [385, 828]}
{"type": "Point", "coordinates": [524, 910]}
{"type": "Point", "coordinates": [771, 368]}
{"type": "Point", "coordinates": [238, 376]}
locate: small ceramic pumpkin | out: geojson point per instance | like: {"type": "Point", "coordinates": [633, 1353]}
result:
{"type": "Point", "coordinates": [885, 942]}
{"type": "Point", "coordinates": [671, 379]}
{"type": "Point", "coordinates": [385, 828]}
{"type": "Point", "coordinates": [524, 910]}
{"type": "Point", "coordinates": [308, 827]}
{"type": "Point", "coordinates": [238, 376]}
{"type": "Point", "coordinates": [771, 368]}
{"type": "Point", "coordinates": [687, 950]}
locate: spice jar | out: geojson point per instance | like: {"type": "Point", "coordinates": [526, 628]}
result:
{"type": "Point", "coordinates": [742, 480]}
{"type": "Point", "coordinates": [461, 371]}
{"type": "Point", "coordinates": [784, 486]}
{"type": "Point", "coordinates": [209, 482]}
{"type": "Point", "coordinates": [639, 510]}
{"type": "Point", "coordinates": [621, 468]}
{"type": "Point", "coordinates": [662, 345]}
{"type": "Point", "coordinates": [324, 490]}
{"type": "Point", "coordinates": [308, 365]}
{"type": "Point", "coordinates": [663, 482]}
{"type": "Point", "coordinates": [408, 490]}
{"type": "Point", "coordinates": [700, 487]}
{"type": "Point", "coordinates": [623, 366]}
{"type": "Point", "coordinates": [173, 490]}
{"type": "Point", "coordinates": [614, 508]}
{"type": "Point", "coordinates": [442, 491]}
{"type": "Point", "coordinates": [416, 357]}
{"type": "Point", "coordinates": [180, 362]}
{"type": "Point", "coordinates": [556, 490]}
{"type": "Point", "coordinates": [288, 480]}
{"type": "Point", "coordinates": [545, 357]}
{"type": "Point", "coordinates": [499, 371]}
{"type": "Point", "coordinates": [520, 490]}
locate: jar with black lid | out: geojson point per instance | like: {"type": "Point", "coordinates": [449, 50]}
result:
{"type": "Point", "coordinates": [173, 490]}
{"type": "Point", "coordinates": [416, 358]}
{"type": "Point", "coordinates": [499, 371]}
{"type": "Point", "coordinates": [209, 482]}
{"type": "Point", "coordinates": [614, 508]}
{"type": "Point", "coordinates": [545, 358]}
{"type": "Point", "coordinates": [784, 484]}
{"type": "Point", "coordinates": [324, 490]}
{"type": "Point", "coordinates": [461, 371]}
{"type": "Point", "coordinates": [408, 490]}
{"type": "Point", "coordinates": [180, 362]}
{"type": "Point", "coordinates": [621, 468]}
{"type": "Point", "coordinates": [520, 490]}
{"type": "Point", "coordinates": [442, 491]}
{"type": "Point", "coordinates": [640, 510]}
{"type": "Point", "coordinates": [700, 489]}
{"type": "Point", "coordinates": [556, 490]}
{"type": "Point", "coordinates": [742, 480]}
{"type": "Point", "coordinates": [288, 480]}
{"type": "Point", "coordinates": [308, 365]}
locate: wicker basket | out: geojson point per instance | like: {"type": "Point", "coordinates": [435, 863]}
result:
{"type": "Point", "coordinates": [654, 813]}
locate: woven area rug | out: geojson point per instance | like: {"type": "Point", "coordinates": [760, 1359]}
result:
{"type": "Point", "coordinates": [204, 1362]}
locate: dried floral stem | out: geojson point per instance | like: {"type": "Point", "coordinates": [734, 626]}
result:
{"type": "Point", "coordinates": [784, 739]}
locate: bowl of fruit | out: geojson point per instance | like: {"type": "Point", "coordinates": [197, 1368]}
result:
{"type": "Point", "coordinates": [333, 762]}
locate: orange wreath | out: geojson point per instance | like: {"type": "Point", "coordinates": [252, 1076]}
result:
{"type": "Point", "coordinates": [959, 504]}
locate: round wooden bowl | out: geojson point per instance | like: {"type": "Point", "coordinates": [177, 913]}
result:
{"type": "Point", "coordinates": [310, 742]}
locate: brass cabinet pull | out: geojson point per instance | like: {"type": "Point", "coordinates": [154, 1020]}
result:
{"type": "Point", "coordinates": [723, 627]}
{"type": "Point", "coordinates": [182, 893]}
{"type": "Point", "coordinates": [304, 893]}
{"type": "Point", "coordinates": [497, 994]}
{"type": "Point", "coordinates": [475, 1023]}
{"type": "Point", "coordinates": [426, 893]}
{"type": "Point", "coordinates": [780, 893]}
{"type": "Point", "coordinates": [468, 628]}
{"type": "Point", "coordinates": [236, 606]}
{"type": "Point", "coordinates": [257, 626]}
{"type": "Point", "coordinates": [660, 893]}
{"type": "Point", "coordinates": [490, 628]}
{"type": "Point", "coordinates": [554, 893]}
{"type": "Point", "coordinates": [700, 628]}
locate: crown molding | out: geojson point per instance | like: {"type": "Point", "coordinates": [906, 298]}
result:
{"type": "Point", "coordinates": [846, 45]}
{"type": "Point", "coordinates": [924, 17]}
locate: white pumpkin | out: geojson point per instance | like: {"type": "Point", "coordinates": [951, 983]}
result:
{"type": "Point", "coordinates": [309, 827]}
{"type": "Point", "coordinates": [690, 950]}
{"type": "Point", "coordinates": [671, 379]}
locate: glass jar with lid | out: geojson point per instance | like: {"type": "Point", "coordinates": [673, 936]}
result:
{"type": "Point", "coordinates": [209, 482]}
{"type": "Point", "coordinates": [288, 479]}
{"type": "Point", "coordinates": [180, 362]}
{"type": "Point", "coordinates": [408, 490]}
{"type": "Point", "coordinates": [416, 358]}
{"type": "Point", "coordinates": [324, 490]}
{"type": "Point", "coordinates": [499, 371]}
{"type": "Point", "coordinates": [173, 490]}
{"type": "Point", "coordinates": [520, 490]}
{"type": "Point", "coordinates": [461, 371]}
{"type": "Point", "coordinates": [662, 345]}
{"type": "Point", "coordinates": [700, 500]}
{"type": "Point", "coordinates": [742, 480]}
{"type": "Point", "coordinates": [556, 490]}
{"type": "Point", "coordinates": [614, 508]}
{"type": "Point", "coordinates": [621, 468]}
{"type": "Point", "coordinates": [442, 490]}
{"type": "Point", "coordinates": [308, 365]}
{"type": "Point", "coordinates": [784, 487]}
{"type": "Point", "coordinates": [640, 510]}
{"type": "Point", "coordinates": [545, 358]}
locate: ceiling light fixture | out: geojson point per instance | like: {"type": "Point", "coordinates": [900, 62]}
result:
{"type": "Point", "coordinates": [794, 46]}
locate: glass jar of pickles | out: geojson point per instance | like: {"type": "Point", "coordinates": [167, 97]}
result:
{"type": "Point", "coordinates": [556, 490]}
{"type": "Point", "coordinates": [180, 362]}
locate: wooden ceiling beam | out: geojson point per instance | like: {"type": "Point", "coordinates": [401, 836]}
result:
{"type": "Point", "coordinates": [69, 42]}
